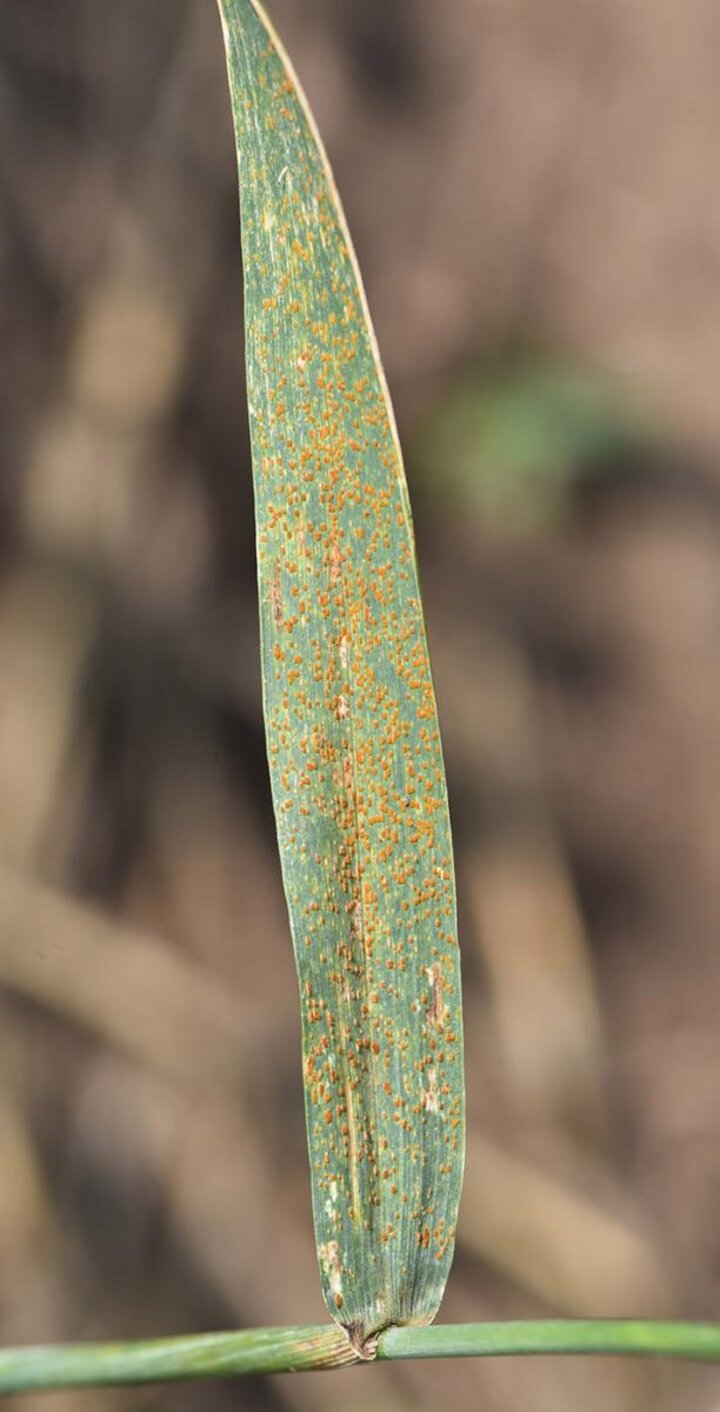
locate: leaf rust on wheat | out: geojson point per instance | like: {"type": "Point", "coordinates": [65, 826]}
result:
{"type": "Point", "coordinates": [352, 735]}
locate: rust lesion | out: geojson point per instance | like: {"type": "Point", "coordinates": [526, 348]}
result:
{"type": "Point", "coordinates": [276, 595]}
{"type": "Point", "coordinates": [332, 1269]}
{"type": "Point", "coordinates": [335, 559]}
{"type": "Point", "coordinates": [352, 1139]}
{"type": "Point", "coordinates": [437, 1008]}
{"type": "Point", "coordinates": [430, 1094]}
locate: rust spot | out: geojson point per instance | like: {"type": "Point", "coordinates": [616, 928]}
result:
{"type": "Point", "coordinates": [335, 561]}
{"type": "Point", "coordinates": [436, 1012]}
{"type": "Point", "coordinates": [275, 595]}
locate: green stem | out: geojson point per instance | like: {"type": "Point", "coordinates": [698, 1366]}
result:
{"type": "Point", "coordinates": [258, 1351]}
{"type": "Point", "coordinates": [700, 1342]}
{"type": "Point", "coordinates": [253, 1351]}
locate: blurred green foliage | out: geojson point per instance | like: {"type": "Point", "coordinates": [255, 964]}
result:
{"type": "Point", "coordinates": [511, 440]}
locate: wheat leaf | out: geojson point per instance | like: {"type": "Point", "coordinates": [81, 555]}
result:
{"type": "Point", "coordinates": [352, 735]}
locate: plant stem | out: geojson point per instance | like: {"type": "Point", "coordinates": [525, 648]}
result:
{"type": "Point", "coordinates": [258, 1351]}
{"type": "Point", "coordinates": [252, 1351]}
{"type": "Point", "coordinates": [699, 1342]}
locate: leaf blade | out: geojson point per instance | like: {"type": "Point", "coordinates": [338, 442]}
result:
{"type": "Point", "coordinates": [353, 743]}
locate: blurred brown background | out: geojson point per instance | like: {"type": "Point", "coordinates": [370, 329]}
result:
{"type": "Point", "coordinates": [531, 184]}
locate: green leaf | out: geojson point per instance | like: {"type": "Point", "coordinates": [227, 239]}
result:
{"type": "Point", "coordinates": [355, 758]}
